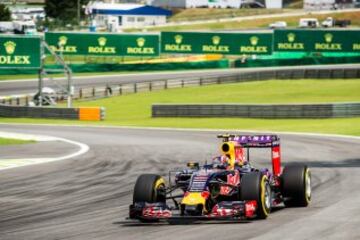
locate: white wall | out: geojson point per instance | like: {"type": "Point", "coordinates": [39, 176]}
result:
{"type": "Point", "coordinates": [225, 4]}
{"type": "Point", "coordinates": [169, 3]}
{"type": "Point", "coordinates": [111, 22]}
{"type": "Point", "coordinates": [272, 4]}
{"type": "Point", "coordinates": [195, 3]}
{"type": "Point", "coordinates": [141, 20]}
{"type": "Point", "coordinates": [319, 4]}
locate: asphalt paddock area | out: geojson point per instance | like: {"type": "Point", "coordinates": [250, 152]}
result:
{"type": "Point", "coordinates": [87, 197]}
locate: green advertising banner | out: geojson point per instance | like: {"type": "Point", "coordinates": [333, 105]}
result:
{"type": "Point", "coordinates": [317, 40]}
{"type": "Point", "coordinates": [20, 52]}
{"type": "Point", "coordinates": [103, 44]}
{"type": "Point", "coordinates": [217, 43]}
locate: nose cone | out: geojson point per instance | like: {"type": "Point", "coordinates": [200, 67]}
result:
{"type": "Point", "coordinates": [193, 198]}
{"type": "Point", "coordinates": [193, 203]}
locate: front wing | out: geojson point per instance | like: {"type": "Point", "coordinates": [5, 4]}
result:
{"type": "Point", "coordinates": [227, 210]}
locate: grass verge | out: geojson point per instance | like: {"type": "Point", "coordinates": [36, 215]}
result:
{"type": "Point", "coordinates": [35, 76]}
{"type": "Point", "coordinates": [261, 23]}
{"type": "Point", "coordinates": [135, 110]}
{"type": "Point", "coordinates": [8, 141]}
{"type": "Point", "coordinates": [196, 14]}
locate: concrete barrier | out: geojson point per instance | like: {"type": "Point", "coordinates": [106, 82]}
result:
{"type": "Point", "coordinates": [340, 110]}
{"type": "Point", "coordinates": [83, 114]}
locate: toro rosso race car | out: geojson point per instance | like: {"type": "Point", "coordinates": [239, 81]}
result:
{"type": "Point", "coordinates": [227, 188]}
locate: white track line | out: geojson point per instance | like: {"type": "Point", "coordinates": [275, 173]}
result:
{"type": "Point", "coordinates": [190, 130]}
{"type": "Point", "coordinates": [15, 163]}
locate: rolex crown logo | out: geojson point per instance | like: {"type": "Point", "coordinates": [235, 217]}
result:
{"type": "Point", "coordinates": [254, 40]}
{"type": "Point", "coordinates": [141, 42]}
{"type": "Point", "coordinates": [216, 40]}
{"type": "Point", "coordinates": [178, 39]}
{"type": "Point", "coordinates": [328, 37]}
{"type": "Point", "coordinates": [102, 41]}
{"type": "Point", "coordinates": [62, 41]}
{"type": "Point", "coordinates": [291, 37]}
{"type": "Point", "coordinates": [10, 47]}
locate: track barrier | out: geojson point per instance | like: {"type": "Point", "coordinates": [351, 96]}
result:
{"type": "Point", "coordinates": [336, 110]}
{"type": "Point", "coordinates": [81, 113]}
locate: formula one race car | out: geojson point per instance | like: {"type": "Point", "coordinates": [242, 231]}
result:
{"type": "Point", "coordinates": [227, 188]}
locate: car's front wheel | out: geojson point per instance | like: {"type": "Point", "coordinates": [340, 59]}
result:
{"type": "Point", "coordinates": [255, 186]}
{"type": "Point", "coordinates": [149, 188]}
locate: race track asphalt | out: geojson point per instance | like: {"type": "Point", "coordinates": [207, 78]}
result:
{"type": "Point", "coordinates": [14, 87]}
{"type": "Point", "coordinates": [88, 197]}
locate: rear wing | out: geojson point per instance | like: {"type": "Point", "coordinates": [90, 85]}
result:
{"type": "Point", "coordinates": [259, 141]}
{"type": "Point", "coordinates": [252, 141]}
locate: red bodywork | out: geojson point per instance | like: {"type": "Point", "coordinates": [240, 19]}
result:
{"type": "Point", "coordinates": [276, 160]}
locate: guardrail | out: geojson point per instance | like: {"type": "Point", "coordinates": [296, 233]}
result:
{"type": "Point", "coordinates": [246, 76]}
{"type": "Point", "coordinates": [84, 114]}
{"type": "Point", "coordinates": [336, 110]}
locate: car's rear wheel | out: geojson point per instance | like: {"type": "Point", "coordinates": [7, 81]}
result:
{"type": "Point", "coordinates": [149, 188]}
{"type": "Point", "coordinates": [255, 186]}
{"type": "Point", "coordinates": [296, 186]}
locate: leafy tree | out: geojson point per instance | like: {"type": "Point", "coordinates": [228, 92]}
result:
{"type": "Point", "coordinates": [5, 14]}
{"type": "Point", "coordinates": [65, 11]}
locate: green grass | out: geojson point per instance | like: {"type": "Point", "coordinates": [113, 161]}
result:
{"type": "Point", "coordinates": [7, 141]}
{"type": "Point", "coordinates": [135, 109]}
{"type": "Point", "coordinates": [79, 59]}
{"type": "Point", "coordinates": [260, 23]}
{"type": "Point", "coordinates": [32, 76]}
{"type": "Point", "coordinates": [196, 14]}
{"type": "Point", "coordinates": [296, 4]}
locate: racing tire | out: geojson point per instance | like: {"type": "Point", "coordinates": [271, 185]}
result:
{"type": "Point", "coordinates": [296, 186]}
{"type": "Point", "coordinates": [149, 188]}
{"type": "Point", "coordinates": [255, 186]}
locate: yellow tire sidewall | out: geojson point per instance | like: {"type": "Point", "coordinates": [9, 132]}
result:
{"type": "Point", "coordinates": [262, 195]}
{"type": "Point", "coordinates": [159, 183]}
{"type": "Point", "coordinates": [306, 176]}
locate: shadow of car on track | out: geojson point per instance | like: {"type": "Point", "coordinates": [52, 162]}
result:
{"type": "Point", "coordinates": [177, 222]}
{"type": "Point", "coordinates": [347, 163]}
{"type": "Point", "coordinates": [135, 223]}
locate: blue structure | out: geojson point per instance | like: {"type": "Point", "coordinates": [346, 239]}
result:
{"type": "Point", "coordinates": [142, 10]}
{"type": "Point", "coordinates": [117, 16]}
